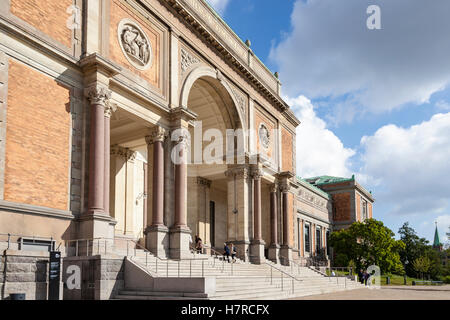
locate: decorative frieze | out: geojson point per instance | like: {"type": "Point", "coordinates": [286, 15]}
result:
{"type": "Point", "coordinates": [240, 104]}
{"type": "Point", "coordinates": [239, 172]}
{"type": "Point", "coordinates": [204, 182]}
{"type": "Point", "coordinates": [187, 60]}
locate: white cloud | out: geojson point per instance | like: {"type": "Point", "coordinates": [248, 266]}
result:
{"type": "Point", "coordinates": [443, 223]}
{"type": "Point", "coordinates": [411, 166]}
{"type": "Point", "coordinates": [219, 5]}
{"type": "Point", "coordinates": [319, 150]}
{"type": "Point", "coordinates": [443, 105]}
{"type": "Point", "coordinates": [331, 53]}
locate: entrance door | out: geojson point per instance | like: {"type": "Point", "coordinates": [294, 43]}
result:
{"type": "Point", "coordinates": [212, 225]}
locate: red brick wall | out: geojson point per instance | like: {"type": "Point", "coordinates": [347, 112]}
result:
{"type": "Point", "coordinates": [118, 12]}
{"type": "Point", "coordinates": [37, 139]}
{"type": "Point", "coordinates": [261, 119]}
{"type": "Point", "coordinates": [369, 208]}
{"type": "Point", "coordinates": [358, 207]}
{"type": "Point", "coordinates": [341, 206]}
{"type": "Point", "coordinates": [48, 16]}
{"type": "Point", "coordinates": [287, 152]}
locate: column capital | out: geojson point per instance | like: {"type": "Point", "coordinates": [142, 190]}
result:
{"type": "Point", "coordinates": [256, 173]}
{"type": "Point", "coordinates": [238, 172]}
{"type": "Point", "coordinates": [273, 188]}
{"type": "Point", "coordinates": [98, 94]}
{"type": "Point", "coordinates": [204, 182]}
{"type": "Point", "coordinates": [285, 187]}
{"type": "Point", "coordinates": [156, 134]}
{"type": "Point", "coordinates": [109, 109]}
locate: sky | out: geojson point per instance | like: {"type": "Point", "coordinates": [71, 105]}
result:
{"type": "Point", "coordinates": [372, 102]}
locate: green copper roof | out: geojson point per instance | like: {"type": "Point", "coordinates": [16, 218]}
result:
{"type": "Point", "coordinates": [321, 180]}
{"type": "Point", "coordinates": [308, 185]}
{"type": "Point", "coordinates": [437, 242]}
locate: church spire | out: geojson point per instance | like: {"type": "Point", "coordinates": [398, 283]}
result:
{"type": "Point", "coordinates": [437, 242]}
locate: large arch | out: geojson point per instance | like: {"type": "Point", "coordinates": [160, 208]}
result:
{"type": "Point", "coordinates": [206, 93]}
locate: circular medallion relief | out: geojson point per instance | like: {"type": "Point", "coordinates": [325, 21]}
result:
{"type": "Point", "coordinates": [264, 136]}
{"type": "Point", "coordinates": [135, 44]}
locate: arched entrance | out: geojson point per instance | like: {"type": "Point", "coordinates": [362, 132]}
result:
{"type": "Point", "coordinates": [210, 200]}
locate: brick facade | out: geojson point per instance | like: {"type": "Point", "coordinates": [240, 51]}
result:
{"type": "Point", "coordinates": [48, 16]}
{"type": "Point", "coordinates": [287, 152]}
{"type": "Point", "coordinates": [341, 203]}
{"type": "Point", "coordinates": [38, 135]}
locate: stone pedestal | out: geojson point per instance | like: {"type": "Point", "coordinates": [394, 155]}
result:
{"type": "Point", "coordinates": [285, 255]}
{"type": "Point", "coordinates": [274, 253]}
{"type": "Point", "coordinates": [157, 240]}
{"type": "Point", "coordinates": [100, 227]}
{"type": "Point", "coordinates": [243, 250]}
{"type": "Point", "coordinates": [257, 252]}
{"type": "Point", "coordinates": [179, 243]}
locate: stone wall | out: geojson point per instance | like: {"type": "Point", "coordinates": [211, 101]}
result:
{"type": "Point", "coordinates": [101, 277]}
{"type": "Point", "coordinates": [24, 272]}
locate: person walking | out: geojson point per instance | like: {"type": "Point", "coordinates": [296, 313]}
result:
{"type": "Point", "coordinates": [226, 252]}
{"type": "Point", "coordinates": [233, 252]}
{"type": "Point", "coordinates": [361, 276]}
{"type": "Point", "coordinates": [366, 277]}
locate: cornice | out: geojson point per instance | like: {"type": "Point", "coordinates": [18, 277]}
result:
{"type": "Point", "coordinates": [191, 19]}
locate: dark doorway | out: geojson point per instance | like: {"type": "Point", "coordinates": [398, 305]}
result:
{"type": "Point", "coordinates": [212, 224]}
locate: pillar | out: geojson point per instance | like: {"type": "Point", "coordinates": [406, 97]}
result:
{"type": "Point", "coordinates": [180, 232]}
{"type": "Point", "coordinates": [157, 232]}
{"type": "Point", "coordinates": [286, 250]}
{"type": "Point", "coordinates": [257, 244]}
{"type": "Point", "coordinates": [273, 252]}
{"type": "Point", "coordinates": [109, 109]}
{"type": "Point", "coordinates": [96, 222]}
{"type": "Point", "coordinates": [239, 188]}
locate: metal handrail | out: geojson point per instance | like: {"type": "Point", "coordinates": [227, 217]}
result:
{"type": "Point", "coordinates": [282, 281]}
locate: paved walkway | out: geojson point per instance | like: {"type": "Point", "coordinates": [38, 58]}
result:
{"type": "Point", "coordinates": [387, 293]}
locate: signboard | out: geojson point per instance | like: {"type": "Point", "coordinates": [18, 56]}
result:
{"type": "Point", "coordinates": [54, 275]}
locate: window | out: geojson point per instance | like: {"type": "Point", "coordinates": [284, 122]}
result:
{"type": "Point", "coordinates": [318, 239]}
{"type": "Point", "coordinates": [364, 209]}
{"type": "Point", "coordinates": [299, 235]}
{"type": "Point", "coordinates": [326, 244]}
{"type": "Point", "coordinates": [307, 238]}
{"type": "Point", "coordinates": [36, 244]}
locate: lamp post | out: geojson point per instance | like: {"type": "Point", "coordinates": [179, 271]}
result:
{"type": "Point", "coordinates": [404, 276]}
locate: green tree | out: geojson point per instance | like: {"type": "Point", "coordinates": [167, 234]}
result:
{"type": "Point", "coordinates": [422, 265]}
{"type": "Point", "coordinates": [367, 243]}
{"type": "Point", "coordinates": [415, 247]}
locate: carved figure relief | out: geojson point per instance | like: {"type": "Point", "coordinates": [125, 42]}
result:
{"type": "Point", "coordinates": [135, 44]}
{"type": "Point", "coordinates": [264, 136]}
{"type": "Point", "coordinates": [187, 60]}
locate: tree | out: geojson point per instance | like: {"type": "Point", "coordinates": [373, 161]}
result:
{"type": "Point", "coordinates": [422, 265]}
{"type": "Point", "coordinates": [415, 247]}
{"type": "Point", "coordinates": [368, 243]}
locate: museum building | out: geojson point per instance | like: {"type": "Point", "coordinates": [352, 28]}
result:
{"type": "Point", "coordinates": [97, 96]}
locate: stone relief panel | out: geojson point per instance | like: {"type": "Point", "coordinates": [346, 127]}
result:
{"type": "Point", "coordinates": [264, 136]}
{"type": "Point", "coordinates": [187, 60]}
{"type": "Point", "coordinates": [135, 44]}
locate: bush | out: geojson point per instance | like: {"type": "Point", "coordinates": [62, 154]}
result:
{"type": "Point", "coordinates": [447, 279]}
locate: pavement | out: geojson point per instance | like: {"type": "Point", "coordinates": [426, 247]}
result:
{"type": "Point", "coordinates": [387, 293]}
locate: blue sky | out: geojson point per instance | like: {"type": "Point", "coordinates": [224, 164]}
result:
{"type": "Point", "coordinates": [372, 102]}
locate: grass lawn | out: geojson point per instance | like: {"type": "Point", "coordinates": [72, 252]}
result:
{"type": "Point", "coordinates": [397, 280]}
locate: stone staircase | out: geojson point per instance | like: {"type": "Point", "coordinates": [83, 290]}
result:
{"type": "Point", "coordinates": [234, 281]}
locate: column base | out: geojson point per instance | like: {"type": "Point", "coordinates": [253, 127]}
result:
{"type": "Point", "coordinates": [285, 255]}
{"type": "Point", "coordinates": [157, 240]}
{"type": "Point", "coordinates": [274, 253]}
{"type": "Point", "coordinates": [99, 227]}
{"type": "Point", "coordinates": [179, 243]}
{"type": "Point", "coordinates": [257, 252]}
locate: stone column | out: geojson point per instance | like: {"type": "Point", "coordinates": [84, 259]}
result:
{"type": "Point", "coordinates": [108, 112]}
{"type": "Point", "coordinates": [157, 232]}
{"type": "Point", "coordinates": [257, 244]}
{"type": "Point", "coordinates": [96, 222]}
{"type": "Point", "coordinates": [180, 232]}
{"type": "Point", "coordinates": [286, 250]}
{"type": "Point", "coordinates": [98, 97]}
{"type": "Point", "coordinates": [274, 246]}
{"type": "Point", "coordinates": [239, 189]}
